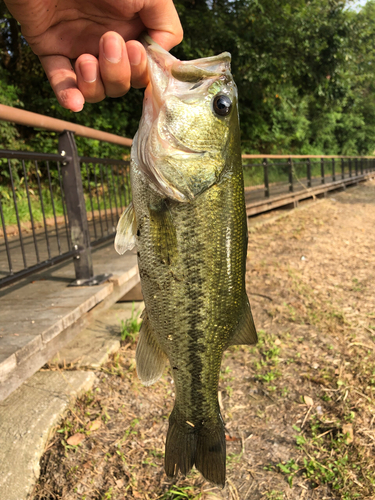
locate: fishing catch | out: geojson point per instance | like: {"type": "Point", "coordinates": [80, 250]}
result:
{"type": "Point", "coordinates": [188, 223]}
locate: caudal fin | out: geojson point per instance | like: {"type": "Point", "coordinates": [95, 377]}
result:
{"type": "Point", "coordinates": [203, 445]}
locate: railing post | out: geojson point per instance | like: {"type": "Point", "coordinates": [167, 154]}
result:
{"type": "Point", "coordinates": [361, 166]}
{"type": "Point", "coordinates": [342, 169]}
{"type": "Point", "coordinates": [308, 173]}
{"type": "Point", "coordinates": [333, 170]}
{"type": "Point", "coordinates": [266, 182]}
{"type": "Point", "coordinates": [356, 166]}
{"type": "Point", "coordinates": [290, 172]}
{"type": "Point", "coordinates": [76, 207]}
{"type": "Point", "coordinates": [322, 169]}
{"type": "Point", "coordinates": [350, 167]}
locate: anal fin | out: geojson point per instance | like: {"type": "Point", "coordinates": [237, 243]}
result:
{"type": "Point", "coordinates": [245, 332]}
{"type": "Point", "coordinates": [149, 357]}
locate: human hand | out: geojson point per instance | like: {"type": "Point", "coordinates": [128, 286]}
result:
{"type": "Point", "coordinates": [100, 35]}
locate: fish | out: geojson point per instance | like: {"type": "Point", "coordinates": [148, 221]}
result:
{"type": "Point", "coordinates": [187, 220]}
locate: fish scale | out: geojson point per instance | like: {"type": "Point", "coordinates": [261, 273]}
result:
{"type": "Point", "coordinates": [191, 240]}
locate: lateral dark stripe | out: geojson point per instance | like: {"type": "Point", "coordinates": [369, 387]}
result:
{"type": "Point", "coordinates": [195, 298]}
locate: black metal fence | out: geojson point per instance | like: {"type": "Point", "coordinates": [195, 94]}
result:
{"type": "Point", "coordinates": [268, 177]}
{"type": "Point", "coordinates": [57, 206]}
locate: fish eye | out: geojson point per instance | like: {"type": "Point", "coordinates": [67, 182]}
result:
{"type": "Point", "coordinates": [222, 105]}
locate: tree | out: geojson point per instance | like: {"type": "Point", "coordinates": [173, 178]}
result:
{"type": "Point", "coordinates": [304, 71]}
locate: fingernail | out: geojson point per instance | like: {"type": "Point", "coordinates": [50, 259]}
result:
{"type": "Point", "coordinates": [89, 71]}
{"type": "Point", "coordinates": [112, 49]}
{"type": "Point", "coordinates": [135, 56]}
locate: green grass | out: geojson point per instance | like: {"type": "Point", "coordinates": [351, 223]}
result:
{"type": "Point", "coordinates": [278, 172]}
{"type": "Point", "coordinates": [183, 493]}
{"type": "Point", "coordinates": [9, 211]}
{"type": "Point", "coordinates": [131, 326]}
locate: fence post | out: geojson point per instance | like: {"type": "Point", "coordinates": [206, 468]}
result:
{"type": "Point", "coordinates": [322, 170]}
{"type": "Point", "coordinates": [76, 208]}
{"type": "Point", "coordinates": [308, 173]}
{"type": "Point", "coordinates": [342, 169]}
{"type": "Point", "coordinates": [290, 173]}
{"type": "Point", "coordinates": [266, 183]}
{"type": "Point", "coordinates": [333, 170]}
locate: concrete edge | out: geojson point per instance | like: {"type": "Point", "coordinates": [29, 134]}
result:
{"type": "Point", "coordinates": [30, 364]}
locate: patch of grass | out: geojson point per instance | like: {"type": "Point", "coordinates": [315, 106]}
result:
{"type": "Point", "coordinates": [290, 469]}
{"type": "Point", "coordinates": [131, 326]}
{"type": "Point", "coordinates": [329, 458]}
{"type": "Point", "coordinates": [99, 200]}
{"type": "Point", "coordinates": [182, 493]}
{"type": "Point", "coordinates": [275, 495]}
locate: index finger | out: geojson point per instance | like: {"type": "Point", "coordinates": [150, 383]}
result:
{"type": "Point", "coordinates": [162, 22]}
{"type": "Point", "coordinates": [63, 80]}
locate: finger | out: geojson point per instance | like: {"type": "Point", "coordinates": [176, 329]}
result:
{"type": "Point", "coordinates": [114, 64]}
{"type": "Point", "coordinates": [138, 64]}
{"type": "Point", "coordinates": [63, 81]}
{"type": "Point", "coordinates": [88, 78]}
{"type": "Point", "coordinates": [163, 23]}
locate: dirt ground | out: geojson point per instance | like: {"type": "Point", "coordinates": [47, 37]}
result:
{"type": "Point", "coordinates": [299, 407]}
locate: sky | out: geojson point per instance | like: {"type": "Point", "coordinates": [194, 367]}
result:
{"type": "Point", "coordinates": [359, 3]}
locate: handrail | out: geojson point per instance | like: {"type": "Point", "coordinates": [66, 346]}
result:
{"type": "Point", "coordinates": [22, 117]}
{"type": "Point", "coordinates": [281, 157]}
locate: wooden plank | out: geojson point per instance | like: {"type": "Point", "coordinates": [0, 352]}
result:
{"type": "Point", "coordinates": [135, 294]}
{"type": "Point", "coordinates": [38, 317]}
{"type": "Point", "coordinates": [286, 199]}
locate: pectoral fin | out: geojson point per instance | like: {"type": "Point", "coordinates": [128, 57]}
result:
{"type": "Point", "coordinates": [149, 357]}
{"type": "Point", "coordinates": [246, 332]}
{"type": "Point", "coordinates": [126, 229]}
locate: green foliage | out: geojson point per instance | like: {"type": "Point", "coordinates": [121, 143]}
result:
{"type": "Point", "coordinates": [289, 468]}
{"type": "Point", "coordinates": [8, 96]}
{"type": "Point", "coordinates": [304, 71]}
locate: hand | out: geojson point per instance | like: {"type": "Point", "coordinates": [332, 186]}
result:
{"type": "Point", "coordinates": [100, 35]}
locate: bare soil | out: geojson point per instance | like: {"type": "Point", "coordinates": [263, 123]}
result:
{"type": "Point", "coordinates": [299, 407]}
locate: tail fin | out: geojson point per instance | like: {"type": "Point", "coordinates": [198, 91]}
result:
{"type": "Point", "coordinates": [203, 445]}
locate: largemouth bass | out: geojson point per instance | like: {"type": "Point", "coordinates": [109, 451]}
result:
{"type": "Point", "coordinates": [188, 222]}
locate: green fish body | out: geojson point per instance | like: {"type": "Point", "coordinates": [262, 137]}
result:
{"type": "Point", "coordinates": [188, 221]}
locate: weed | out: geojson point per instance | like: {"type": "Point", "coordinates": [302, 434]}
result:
{"type": "Point", "coordinates": [275, 495]}
{"type": "Point", "coordinates": [269, 376]}
{"type": "Point", "coordinates": [175, 493]}
{"type": "Point", "coordinates": [131, 326]}
{"type": "Point", "coordinates": [290, 469]}
{"type": "Point", "coordinates": [108, 494]}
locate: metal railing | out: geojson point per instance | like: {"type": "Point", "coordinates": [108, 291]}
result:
{"type": "Point", "coordinates": [54, 207]}
{"type": "Point", "coordinates": [280, 174]}
{"type": "Point", "coordinates": [59, 206]}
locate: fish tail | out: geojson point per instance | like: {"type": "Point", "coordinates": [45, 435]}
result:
{"type": "Point", "coordinates": [203, 445]}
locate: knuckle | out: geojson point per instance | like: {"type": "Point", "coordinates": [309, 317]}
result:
{"type": "Point", "coordinates": [116, 88]}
